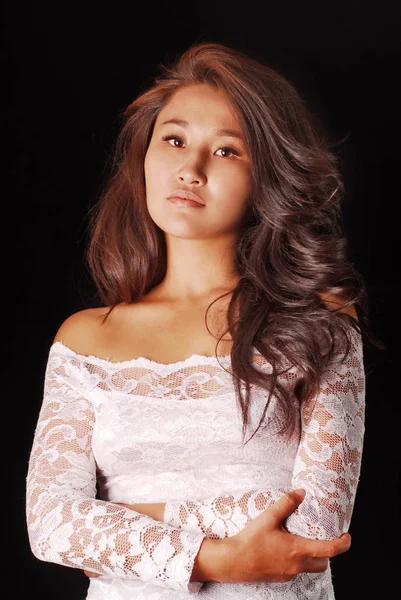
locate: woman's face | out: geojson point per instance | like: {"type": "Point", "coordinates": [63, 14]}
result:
{"type": "Point", "coordinates": [197, 145]}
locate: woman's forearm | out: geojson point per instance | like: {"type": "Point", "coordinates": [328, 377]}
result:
{"type": "Point", "coordinates": [211, 562]}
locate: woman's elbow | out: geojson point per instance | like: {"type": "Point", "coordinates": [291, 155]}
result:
{"type": "Point", "coordinates": [318, 518]}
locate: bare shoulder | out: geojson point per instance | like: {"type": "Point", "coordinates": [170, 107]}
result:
{"type": "Point", "coordinates": [333, 302]}
{"type": "Point", "coordinates": [82, 330]}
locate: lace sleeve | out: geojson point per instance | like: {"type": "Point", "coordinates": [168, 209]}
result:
{"type": "Point", "coordinates": [66, 523]}
{"type": "Point", "coordinates": [327, 465]}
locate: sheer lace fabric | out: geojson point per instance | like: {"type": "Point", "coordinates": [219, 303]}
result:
{"type": "Point", "coordinates": [140, 431]}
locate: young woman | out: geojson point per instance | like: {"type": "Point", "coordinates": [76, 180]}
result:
{"type": "Point", "coordinates": [221, 221]}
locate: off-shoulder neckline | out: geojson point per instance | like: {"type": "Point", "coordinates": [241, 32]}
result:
{"type": "Point", "coordinates": [194, 359]}
{"type": "Point", "coordinates": [142, 360]}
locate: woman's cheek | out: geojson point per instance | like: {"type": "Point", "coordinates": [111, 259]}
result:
{"type": "Point", "coordinates": [238, 184]}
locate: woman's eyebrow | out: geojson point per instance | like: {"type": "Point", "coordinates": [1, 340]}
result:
{"type": "Point", "coordinates": [219, 132]}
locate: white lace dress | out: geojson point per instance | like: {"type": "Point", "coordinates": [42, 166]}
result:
{"type": "Point", "coordinates": [140, 431]}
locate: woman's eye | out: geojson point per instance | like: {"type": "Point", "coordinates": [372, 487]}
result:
{"type": "Point", "coordinates": [228, 151]}
{"type": "Point", "coordinates": [173, 138]}
{"type": "Point", "coordinates": [177, 143]}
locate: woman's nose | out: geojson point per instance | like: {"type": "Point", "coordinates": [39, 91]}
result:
{"type": "Point", "coordinates": [191, 172]}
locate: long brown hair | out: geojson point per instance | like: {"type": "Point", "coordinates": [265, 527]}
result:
{"type": "Point", "coordinates": [291, 251]}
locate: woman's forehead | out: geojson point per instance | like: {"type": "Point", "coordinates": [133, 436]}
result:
{"type": "Point", "coordinates": [201, 104]}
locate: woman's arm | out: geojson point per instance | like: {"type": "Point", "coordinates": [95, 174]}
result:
{"type": "Point", "coordinates": [66, 523]}
{"type": "Point", "coordinates": [327, 466]}
{"type": "Point", "coordinates": [263, 550]}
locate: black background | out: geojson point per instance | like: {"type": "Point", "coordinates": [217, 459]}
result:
{"type": "Point", "coordinates": [68, 70]}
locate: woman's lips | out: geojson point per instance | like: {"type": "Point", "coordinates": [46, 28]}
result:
{"type": "Point", "coordinates": [184, 202]}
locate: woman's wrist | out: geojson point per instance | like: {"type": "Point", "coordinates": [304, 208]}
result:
{"type": "Point", "coordinates": [212, 563]}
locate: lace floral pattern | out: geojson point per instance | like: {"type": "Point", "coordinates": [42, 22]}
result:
{"type": "Point", "coordinates": [147, 432]}
{"type": "Point", "coordinates": [66, 523]}
{"type": "Point", "coordinates": [327, 465]}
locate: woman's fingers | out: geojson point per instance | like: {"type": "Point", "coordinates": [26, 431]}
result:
{"type": "Point", "coordinates": [284, 506]}
{"type": "Point", "coordinates": [321, 555]}
{"type": "Point", "coordinates": [326, 548]}
{"type": "Point", "coordinates": [315, 565]}
{"type": "Point", "coordinates": [342, 544]}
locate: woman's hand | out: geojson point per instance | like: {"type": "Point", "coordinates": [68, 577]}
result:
{"type": "Point", "coordinates": [265, 551]}
{"type": "Point", "coordinates": [155, 510]}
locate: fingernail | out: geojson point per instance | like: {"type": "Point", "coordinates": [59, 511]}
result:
{"type": "Point", "coordinates": [300, 493]}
